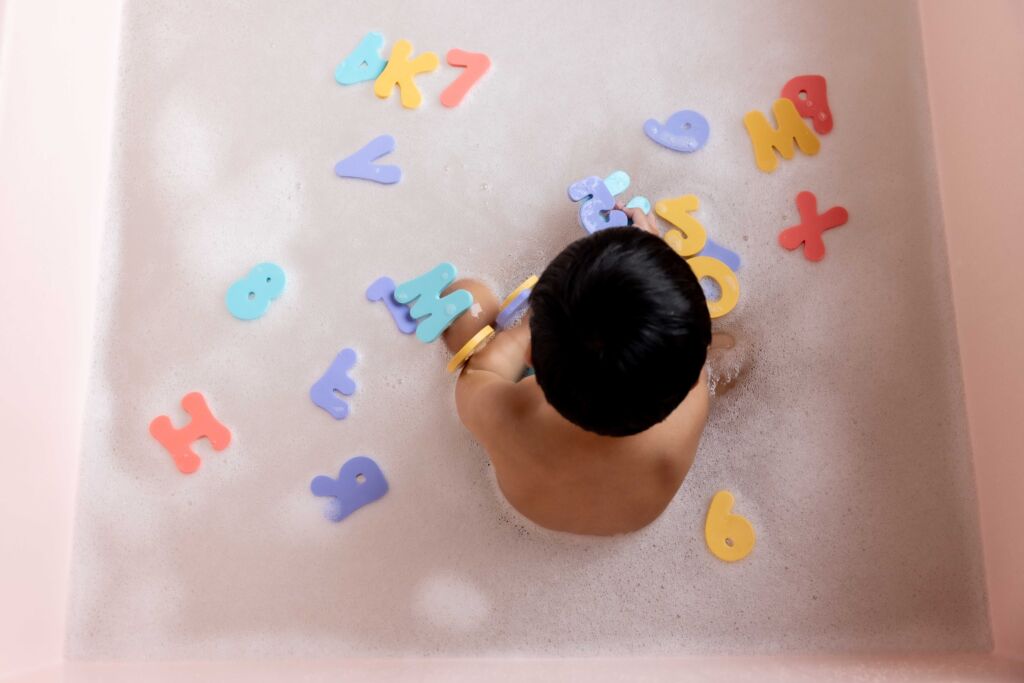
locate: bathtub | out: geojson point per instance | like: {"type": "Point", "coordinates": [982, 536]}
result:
{"type": "Point", "coordinates": [59, 71]}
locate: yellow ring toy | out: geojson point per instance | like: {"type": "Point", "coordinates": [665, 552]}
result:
{"type": "Point", "coordinates": [470, 347]}
{"type": "Point", "coordinates": [528, 283]}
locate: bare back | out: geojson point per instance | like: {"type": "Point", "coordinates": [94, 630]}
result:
{"type": "Point", "coordinates": [568, 479]}
{"type": "Point", "coordinates": [552, 471]}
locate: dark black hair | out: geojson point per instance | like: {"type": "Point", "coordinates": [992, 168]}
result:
{"type": "Point", "coordinates": [620, 330]}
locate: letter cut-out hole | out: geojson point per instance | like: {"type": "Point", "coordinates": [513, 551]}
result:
{"type": "Point", "coordinates": [712, 290]}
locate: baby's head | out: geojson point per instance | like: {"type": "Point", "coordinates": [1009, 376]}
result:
{"type": "Point", "coordinates": [620, 330]}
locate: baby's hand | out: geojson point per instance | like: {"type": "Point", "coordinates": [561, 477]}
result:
{"type": "Point", "coordinates": [640, 219]}
{"type": "Point", "coordinates": [729, 359]}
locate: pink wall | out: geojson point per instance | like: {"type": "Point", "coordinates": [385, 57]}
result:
{"type": "Point", "coordinates": [56, 81]}
{"type": "Point", "coordinates": [975, 61]}
{"type": "Point", "coordinates": [56, 94]}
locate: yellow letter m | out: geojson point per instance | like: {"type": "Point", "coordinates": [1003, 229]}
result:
{"type": "Point", "coordinates": [791, 129]}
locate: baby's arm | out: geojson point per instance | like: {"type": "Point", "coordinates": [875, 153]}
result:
{"type": "Point", "coordinates": [505, 356]}
{"type": "Point", "coordinates": [484, 392]}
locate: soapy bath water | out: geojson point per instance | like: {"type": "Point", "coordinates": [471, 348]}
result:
{"type": "Point", "coordinates": [842, 435]}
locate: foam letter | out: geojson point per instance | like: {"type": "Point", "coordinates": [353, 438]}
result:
{"type": "Point", "coordinates": [476, 63]}
{"type": "Point", "coordinates": [640, 202]}
{"type": "Point", "coordinates": [814, 103]}
{"type": "Point", "coordinates": [811, 226]}
{"type": "Point", "coordinates": [717, 251]}
{"type": "Point", "coordinates": [364, 63]}
{"type": "Point", "coordinates": [791, 128]}
{"type": "Point", "coordinates": [684, 131]}
{"type": "Point", "coordinates": [360, 164]}
{"type": "Point", "coordinates": [618, 182]}
{"type": "Point", "coordinates": [383, 289]}
{"type": "Point", "coordinates": [436, 313]}
{"type": "Point", "coordinates": [335, 379]}
{"type": "Point", "coordinates": [178, 442]}
{"type": "Point", "coordinates": [359, 483]}
{"type": "Point", "coordinates": [400, 71]}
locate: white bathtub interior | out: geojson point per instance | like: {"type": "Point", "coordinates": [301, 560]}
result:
{"type": "Point", "coordinates": [844, 440]}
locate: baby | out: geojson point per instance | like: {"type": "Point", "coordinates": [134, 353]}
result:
{"type": "Point", "coordinates": [599, 440]}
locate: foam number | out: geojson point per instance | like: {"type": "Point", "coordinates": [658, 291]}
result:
{"type": "Point", "coordinates": [476, 64]}
{"type": "Point", "coordinates": [360, 164]}
{"type": "Point", "coordinates": [684, 131]}
{"type": "Point", "coordinates": [364, 63]}
{"type": "Point", "coordinates": [178, 442]}
{"type": "Point", "coordinates": [810, 96]}
{"type": "Point", "coordinates": [401, 70]}
{"type": "Point", "coordinates": [811, 225]}
{"type": "Point", "coordinates": [433, 313]}
{"type": "Point", "coordinates": [383, 289]}
{"type": "Point", "coordinates": [723, 277]}
{"type": "Point", "coordinates": [359, 483]}
{"type": "Point", "coordinates": [766, 139]}
{"type": "Point", "coordinates": [325, 392]}
{"type": "Point", "coordinates": [597, 204]}
{"type": "Point", "coordinates": [690, 236]}
{"type": "Point", "coordinates": [729, 536]}
{"type": "Point", "coordinates": [250, 297]}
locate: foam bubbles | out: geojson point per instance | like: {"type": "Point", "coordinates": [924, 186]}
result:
{"type": "Point", "coordinates": [450, 601]}
{"type": "Point", "coordinates": [186, 151]}
{"type": "Point", "coordinates": [729, 358]}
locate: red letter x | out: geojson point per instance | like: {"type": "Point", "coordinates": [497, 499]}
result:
{"type": "Point", "coordinates": [811, 226]}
